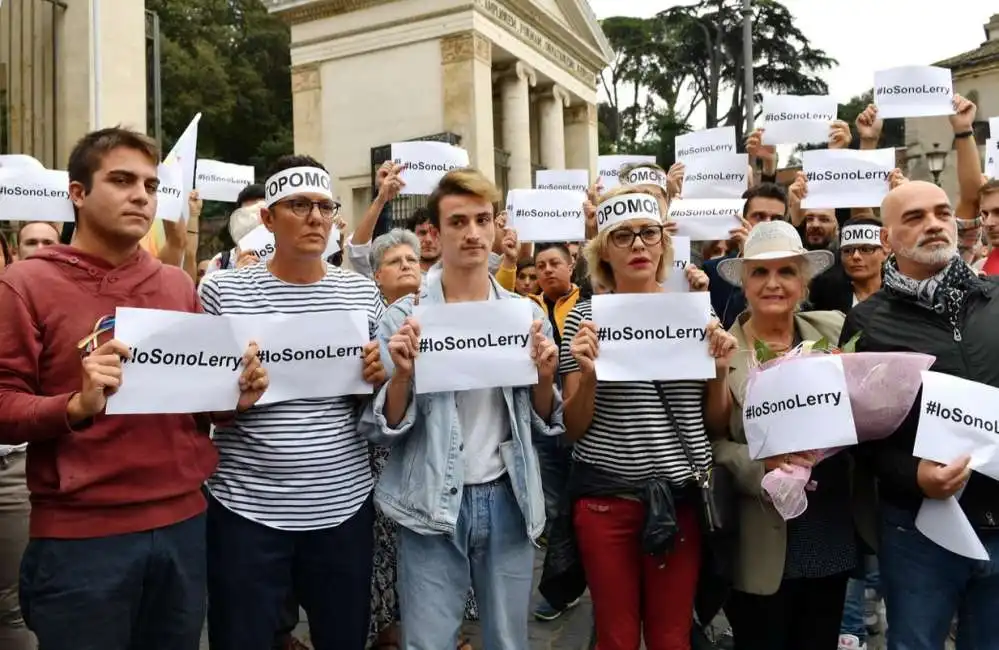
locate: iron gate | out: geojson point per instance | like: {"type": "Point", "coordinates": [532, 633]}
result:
{"type": "Point", "coordinates": [403, 206]}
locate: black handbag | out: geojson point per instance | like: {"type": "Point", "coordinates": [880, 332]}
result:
{"type": "Point", "coordinates": [716, 486]}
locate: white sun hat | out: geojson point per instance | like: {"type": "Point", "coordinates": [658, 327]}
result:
{"type": "Point", "coordinates": [773, 240]}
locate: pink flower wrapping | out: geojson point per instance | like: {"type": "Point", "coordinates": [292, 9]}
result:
{"type": "Point", "coordinates": [882, 387]}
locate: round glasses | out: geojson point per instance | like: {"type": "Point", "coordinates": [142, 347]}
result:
{"type": "Point", "coordinates": [302, 207]}
{"type": "Point", "coordinates": [625, 237]}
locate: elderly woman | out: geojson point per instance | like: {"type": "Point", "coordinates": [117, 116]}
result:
{"type": "Point", "coordinates": [628, 445]}
{"type": "Point", "coordinates": [790, 577]}
{"type": "Point", "coordinates": [395, 259]}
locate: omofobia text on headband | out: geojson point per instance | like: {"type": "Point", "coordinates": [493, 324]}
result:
{"type": "Point", "coordinates": [297, 180]}
{"type": "Point", "coordinates": [625, 207]}
{"type": "Point", "coordinates": [862, 234]}
{"type": "Point", "coordinates": [645, 176]}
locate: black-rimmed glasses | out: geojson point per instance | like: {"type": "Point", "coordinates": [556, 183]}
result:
{"type": "Point", "coordinates": [302, 207]}
{"type": "Point", "coordinates": [625, 237]}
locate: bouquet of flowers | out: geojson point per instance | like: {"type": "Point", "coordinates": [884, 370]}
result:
{"type": "Point", "coordinates": [882, 386]}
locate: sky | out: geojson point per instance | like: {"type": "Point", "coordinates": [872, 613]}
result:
{"type": "Point", "coordinates": [864, 35]}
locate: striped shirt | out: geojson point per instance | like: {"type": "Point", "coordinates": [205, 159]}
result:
{"type": "Point", "coordinates": [296, 465]}
{"type": "Point", "coordinates": [630, 434]}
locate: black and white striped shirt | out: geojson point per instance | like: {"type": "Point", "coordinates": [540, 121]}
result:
{"type": "Point", "coordinates": [296, 465]}
{"type": "Point", "coordinates": [630, 434]}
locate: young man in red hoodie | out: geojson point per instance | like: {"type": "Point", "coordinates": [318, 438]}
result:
{"type": "Point", "coordinates": [117, 552]}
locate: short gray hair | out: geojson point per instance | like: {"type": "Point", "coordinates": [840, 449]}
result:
{"type": "Point", "coordinates": [388, 241]}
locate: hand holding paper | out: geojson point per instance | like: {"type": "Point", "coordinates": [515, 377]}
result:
{"type": "Point", "coordinates": [404, 347]}
{"type": "Point", "coordinates": [544, 352]}
{"type": "Point", "coordinates": [374, 371]}
{"type": "Point", "coordinates": [585, 347]}
{"type": "Point", "coordinates": [101, 379]}
{"type": "Point", "coordinates": [253, 381]}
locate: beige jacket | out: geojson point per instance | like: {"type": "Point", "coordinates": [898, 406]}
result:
{"type": "Point", "coordinates": [759, 565]}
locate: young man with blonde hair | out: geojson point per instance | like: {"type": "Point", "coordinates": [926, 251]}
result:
{"type": "Point", "coordinates": [468, 515]}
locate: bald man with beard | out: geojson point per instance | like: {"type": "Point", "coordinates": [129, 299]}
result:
{"type": "Point", "coordinates": [931, 302]}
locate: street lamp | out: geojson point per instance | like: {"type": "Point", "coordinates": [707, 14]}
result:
{"type": "Point", "coordinates": [936, 160]}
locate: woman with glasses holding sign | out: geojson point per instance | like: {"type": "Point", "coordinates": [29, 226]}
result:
{"type": "Point", "coordinates": [790, 576]}
{"type": "Point", "coordinates": [634, 510]}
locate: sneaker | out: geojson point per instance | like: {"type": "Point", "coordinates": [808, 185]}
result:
{"type": "Point", "coordinates": [546, 612]}
{"type": "Point", "coordinates": [850, 642]}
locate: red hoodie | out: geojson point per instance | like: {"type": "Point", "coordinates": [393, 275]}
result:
{"type": "Point", "coordinates": [113, 474]}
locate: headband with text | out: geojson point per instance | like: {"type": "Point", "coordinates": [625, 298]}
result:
{"type": "Point", "coordinates": [298, 180]}
{"type": "Point", "coordinates": [625, 207]}
{"type": "Point", "coordinates": [645, 176]}
{"type": "Point", "coordinates": [865, 234]}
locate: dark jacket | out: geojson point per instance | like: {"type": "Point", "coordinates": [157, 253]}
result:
{"type": "Point", "coordinates": [727, 300]}
{"type": "Point", "coordinates": [831, 290]}
{"type": "Point", "coordinates": [889, 323]}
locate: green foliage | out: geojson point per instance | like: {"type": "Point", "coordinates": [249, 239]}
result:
{"type": "Point", "coordinates": [763, 352]}
{"type": "Point", "coordinates": [230, 60]}
{"type": "Point", "coordinates": [851, 345]}
{"type": "Point", "coordinates": [696, 50]}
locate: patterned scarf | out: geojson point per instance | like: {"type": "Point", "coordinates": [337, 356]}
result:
{"type": "Point", "coordinates": [944, 293]}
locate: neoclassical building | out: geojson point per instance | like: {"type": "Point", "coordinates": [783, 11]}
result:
{"type": "Point", "coordinates": [512, 81]}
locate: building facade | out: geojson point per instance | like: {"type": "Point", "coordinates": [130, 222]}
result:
{"type": "Point", "coordinates": [512, 81]}
{"type": "Point", "coordinates": [976, 76]}
{"type": "Point", "coordinates": [67, 67]}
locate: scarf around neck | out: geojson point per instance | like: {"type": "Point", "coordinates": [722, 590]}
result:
{"type": "Point", "coordinates": [943, 293]}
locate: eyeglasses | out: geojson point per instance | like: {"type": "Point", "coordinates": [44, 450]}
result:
{"type": "Point", "coordinates": [863, 250]}
{"type": "Point", "coordinates": [302, 208]}
{"type": "Point", "coordinates": [625, 238]}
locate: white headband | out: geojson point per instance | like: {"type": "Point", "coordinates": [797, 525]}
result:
{"type": "Point", "coordinates": [297, 180]}
{"type": "Point", "coordinates": [627, 206]}
{"type": "Point", "coordinates": [646, 176]}
{"type": "Point", "coordinates": [864, 234]}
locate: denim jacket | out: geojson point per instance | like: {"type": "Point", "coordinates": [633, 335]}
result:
{"type": "Point", "coordinates": [421, 485]}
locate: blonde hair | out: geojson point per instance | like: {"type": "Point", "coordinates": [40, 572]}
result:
{"type": "Point", "coordinates": [466, 181]}
{"type": "Point", "coordinates": [627, 168]}
{"type": "Point", "coordinates": [600, 270]}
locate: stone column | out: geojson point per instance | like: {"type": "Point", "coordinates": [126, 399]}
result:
{"type": "Point", "coordinates": [467, 103]}
{"type": "Point", "coordinates": [581, 138]}
{"type": "Point", "coordinates": [515, 88]}
{"type": "Point", "coordinates": [552, 105]}
{"type": "Point", "coordinates": [307, 112]}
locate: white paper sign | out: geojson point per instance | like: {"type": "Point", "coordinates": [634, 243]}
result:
{"type": "Point", "coordinates": [799, 405]}
{"type": "Point", "coordinates": [993, 130]}
{"type": "Point", "coordinates": [574, 180]}
{"type": "Point", "coordinates": [19, 161]}
{"type": "Point", "coordinates": [846, 178]}
{"type": "Point", "coordinates": [190, 363]}
{"type": "Point", "coordinates": [181, 363]}
{"type": "Point", "coordinates": [29, 194]}
{"type": "Point", "coordinates": [222, 181]}
{"type": "Point", "coordinates": [471, 345]}
{"type": "Point", "coordinates": [797, 119]}
{"type": "Point", "coordinates": [676, 277]}
{"type": "Point", "coordinates": [170, 199]}
{"type": "Point", "coordinates": [706, 219]}
{"type": "Point", "coordinates": [703, 142]}
{"type": "Point", "coordinates": [716, 176]}
{"type": "Point", "coordinates": [608, 167]}
{"type": "Point", "coordinates": [959, 417]}
{"type": "Point", "coordinates": [913, 91]}
{"type": "Point", "coordinates": [992, 157]}
{"type": "Point", "coordinates": [653, 336]}
{"type": "Point", "coordinates": [547, 215]}
{"type": "Point", "coordinates": [261, 242]}
{"type": "Point", "coordinates": [427, 162]}
{"type": "Point", "coordinates": [307, 356]}
{"type": "Point", "coordinates": [944, 522]}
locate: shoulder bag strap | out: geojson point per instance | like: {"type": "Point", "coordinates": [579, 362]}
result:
{"type": "Point", "coordinates": [687, 451]}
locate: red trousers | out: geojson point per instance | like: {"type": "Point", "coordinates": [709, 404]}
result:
{"type": "Point", "coordinates": [635, 593]}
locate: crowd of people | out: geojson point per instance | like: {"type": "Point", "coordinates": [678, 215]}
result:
{"type": "Point", "coordinates": [393, 518]}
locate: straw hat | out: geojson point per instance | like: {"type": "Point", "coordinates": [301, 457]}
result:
{"type": "Point", "coordinates": [773, 240]}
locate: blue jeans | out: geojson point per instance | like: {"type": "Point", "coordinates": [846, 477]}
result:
{"type": "Point", "coordinates": [139, 591]}
{"type": "Point", "coordinates": [252, 570]}
{"type": "Point", "coordinates": [490, 551]}
{"type": "Point", "coordinates": [855, 607]}
{"type": "Point", "coordinates": [554, 458]}
{"type": "Point", "coordinates": [925, 585]}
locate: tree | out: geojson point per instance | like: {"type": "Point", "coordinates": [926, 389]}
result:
{"type": "Point", "coordinates": [628, 38]}
{"type": "Point", "coordinates": [708, 48]}
{"type": "Point", "coordinates": [230, 60]}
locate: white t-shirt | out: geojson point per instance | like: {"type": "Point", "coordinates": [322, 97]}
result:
{"type": "Point", "coordinates": [485, 424]}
